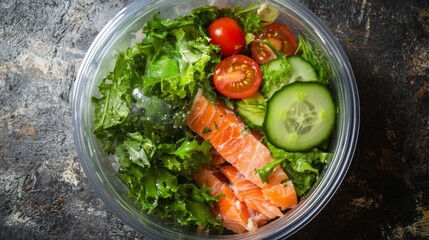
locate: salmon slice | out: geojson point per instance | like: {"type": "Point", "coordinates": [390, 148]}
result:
{"type": "Point", "coordinates": [247, 153]}
{"type": "Point", "coordinates": [283, 195]}
{"type": "Point", "coordinates": [259, 218]}
{"type": "Point", "coordinates": [229, 137]}
{"type": "Point", "coordinates": [250, 193]}
{"type": "Point", "coordinates": [234, 214]}
{"type": "Point", "coordinates": [217, 159]}
{"type": "Point", "coordinates": [227, 133]}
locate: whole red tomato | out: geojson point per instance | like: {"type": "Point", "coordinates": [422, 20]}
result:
{"type": "Point", "coordinates": [227, 33]}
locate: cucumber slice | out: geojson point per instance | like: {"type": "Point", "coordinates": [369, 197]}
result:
{"type": "Point", "coordinates": [300, 116]}
{"type": "Point", "coordinates": [301, 70]}
{"type": "Point", "coordinates": [252, 110]}
{"type": "Point", "coordinates": [253, 115]}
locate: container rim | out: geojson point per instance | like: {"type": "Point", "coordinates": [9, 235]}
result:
{"type": "Point", "coordinates": [303, 213]}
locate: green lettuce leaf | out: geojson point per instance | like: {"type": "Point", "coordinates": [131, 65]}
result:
{"type": "Point", "coordinates": [157, 188]}
{"type": "Point", "coordinates": [274, 74]}
{"type": "Point", "coordinates": [246, 17]}
{"type": "Point", "coordinates": [179, 55]}
{"type": "Point", "coordinates": [303, 168]}
{"type": "Point", "coordinates": [140, 113]}
{"type": "Point", "coordinates": [189, 157]}
{"type": "Point", "coordinates": [112, 108]}
{"type": "Point", "coordinates": [193, 208]}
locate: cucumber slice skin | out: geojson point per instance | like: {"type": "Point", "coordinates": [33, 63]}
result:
{"type": "Point", "coordinates": [301, 70]}
{"type": "Point", "coordinates": [254, 120]}
{"type": "Point", "coordinates": [313, 125]}
{"type": "Point", "coordinates": [252, 110]}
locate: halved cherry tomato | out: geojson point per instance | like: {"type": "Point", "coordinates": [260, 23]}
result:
{"type": "Point", "coordinates": [261, 52]}
{"type": "Point", "coordinates": [227, 33]}
{"type": "Point", "coordinates": [237, 76]}
{"type": "Point", "coordinates": [279, 36]}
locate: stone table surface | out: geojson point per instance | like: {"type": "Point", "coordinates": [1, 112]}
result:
{"type": "Point", "coordinates": [44, 193]}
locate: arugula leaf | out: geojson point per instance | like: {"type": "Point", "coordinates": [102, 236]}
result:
{"type": "Point", "coordinates": [315, 58]}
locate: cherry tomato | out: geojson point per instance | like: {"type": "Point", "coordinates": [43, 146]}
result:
{"type": "Point", "coordinates": [226, 33]}
{"type": "Point", "coordinates": [261, 52]}
{"type": "Point", "coordinates": [237, 76]}
{"type": "Point", "coordinates": [279, 36]}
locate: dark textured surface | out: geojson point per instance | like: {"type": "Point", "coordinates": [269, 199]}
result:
{"type": "Point", "coordinates": [44, 193]}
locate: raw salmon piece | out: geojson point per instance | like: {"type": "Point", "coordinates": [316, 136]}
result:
{"type": "Point", "coordinates": [283, 195]}
{"type": "Point", "coordinates": [217, 159]}
{"type": "Point", "coordinates": [250, 193]}
{"type": "Point", "coordinates": [247, 153]}
{"type": "Point", "coordinates": [206, 117]}
{"type": "Point", "coordinates": [228, 136]}
{"type": "Point", "coordinates": [227, 133]}
{"type": "Point", "coordinates": [259, 218]}
{"type": "Point", "coordinates": [233, 213]}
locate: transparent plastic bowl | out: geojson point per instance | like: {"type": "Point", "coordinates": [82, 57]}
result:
{"type": "Point", "coordinates": [120, 33]}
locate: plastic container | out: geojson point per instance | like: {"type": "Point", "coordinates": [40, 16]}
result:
{"type": "Point", "coordinates": [100, 170]}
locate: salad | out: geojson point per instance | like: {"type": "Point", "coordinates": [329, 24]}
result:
{"type": "Point", "coordinates": [218, 119]}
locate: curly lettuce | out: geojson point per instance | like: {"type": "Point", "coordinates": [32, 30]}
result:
{"type": "Point", "coordinates": [302, 168]}
{"type": "Point", "coordinates": [140, 113]}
